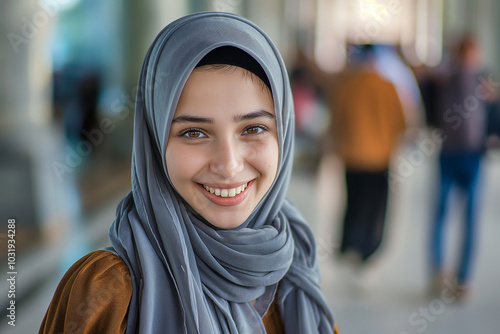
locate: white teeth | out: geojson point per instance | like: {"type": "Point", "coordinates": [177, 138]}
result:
{"type": "Point", "coordinates": [226, 192]}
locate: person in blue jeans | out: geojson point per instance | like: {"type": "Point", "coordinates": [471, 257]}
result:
{"type": "Point", "coordinates": [462, 116]}
{"type": "Point", "coordinates": [462, 170]}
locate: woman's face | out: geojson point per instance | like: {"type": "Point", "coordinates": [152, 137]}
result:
{"type": "Point", "coordinates": [222, 151]}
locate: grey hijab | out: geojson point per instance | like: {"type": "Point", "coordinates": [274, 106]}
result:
{"type": "Point", "coordinates": [187, 276]}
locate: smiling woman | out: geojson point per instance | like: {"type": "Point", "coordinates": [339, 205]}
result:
{"type": "Point", "coordinates": [222, 155]}
{"type": "Point", "coordinates": [206, 241]}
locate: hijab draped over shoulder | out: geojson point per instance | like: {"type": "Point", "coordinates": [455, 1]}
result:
{"type": "Point", "coordinates": [187, 276]}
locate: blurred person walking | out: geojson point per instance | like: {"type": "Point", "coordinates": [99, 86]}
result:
{"type": "Point", "coordinates": [463, 101]}
{"type": "Point", "coordinates": [367, 120]}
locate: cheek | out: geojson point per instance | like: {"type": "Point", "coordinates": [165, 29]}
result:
{"type": "Point", "coordinates": [273, 161]}
{"type": "Point", "coordinates": [265, 159]}
{"type": "Point", "coordinates": [182, 163]}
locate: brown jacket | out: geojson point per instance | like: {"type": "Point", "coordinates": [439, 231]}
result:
{"type": "Point", "coordinates": [367, 120]}
{"type": "Point", "coordinates": [94, 295]}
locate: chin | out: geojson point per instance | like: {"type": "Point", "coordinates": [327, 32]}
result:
{"type": "Point", "coordinates": [228, 221]}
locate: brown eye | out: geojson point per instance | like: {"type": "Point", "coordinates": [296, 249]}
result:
{"type": "Point", "coordinates": [255, 130]}
{"type": "Point", "coordinates": [193, 134]}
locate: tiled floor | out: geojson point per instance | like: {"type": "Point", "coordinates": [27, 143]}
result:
{"type": "Point", "coordinates": [386, 298]}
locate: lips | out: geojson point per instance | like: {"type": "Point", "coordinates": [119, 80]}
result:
{"type": "Point", "coordinates": [226, 196]}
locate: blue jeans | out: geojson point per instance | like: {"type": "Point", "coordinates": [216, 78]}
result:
{"type": "Point", "coordinates": [462, 170]}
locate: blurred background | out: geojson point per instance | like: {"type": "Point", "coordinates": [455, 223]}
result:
{"type": "Point", "coordinates": [69, 71]}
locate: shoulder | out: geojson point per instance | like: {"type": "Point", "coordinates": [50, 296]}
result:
{"type": "Point", "coordinates": [101, 270]}
{"type": "Point", "coordinates": [94, 292]}
{"type": "Point", "coordinates": [101, 262]}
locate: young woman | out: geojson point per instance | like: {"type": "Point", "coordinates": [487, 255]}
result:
{"type": "Point", "coordinates": [206, 241]}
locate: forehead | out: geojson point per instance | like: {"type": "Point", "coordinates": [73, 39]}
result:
{"type": "Point", "coordinates": [226, 89]}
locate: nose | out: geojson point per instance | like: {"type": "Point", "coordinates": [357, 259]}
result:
{"type": "Point", "coordinates": [227, 158]}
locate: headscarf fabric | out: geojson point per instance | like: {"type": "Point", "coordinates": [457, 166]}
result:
{"type": "Point", "coordinates": [188, 276]}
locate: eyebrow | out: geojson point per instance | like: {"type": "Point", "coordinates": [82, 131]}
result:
{"type": "Point", "coordinates": [253, 115]}
{"type": "Point", "coordinates": [192, 119]}
{"type": "Point", "coordinates": [238, 118]}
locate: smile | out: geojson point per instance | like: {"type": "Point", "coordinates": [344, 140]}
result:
{"type": "Point", "coordinates": [226, 196]}
{"type": "Point", "coordinates": [226, 192]}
